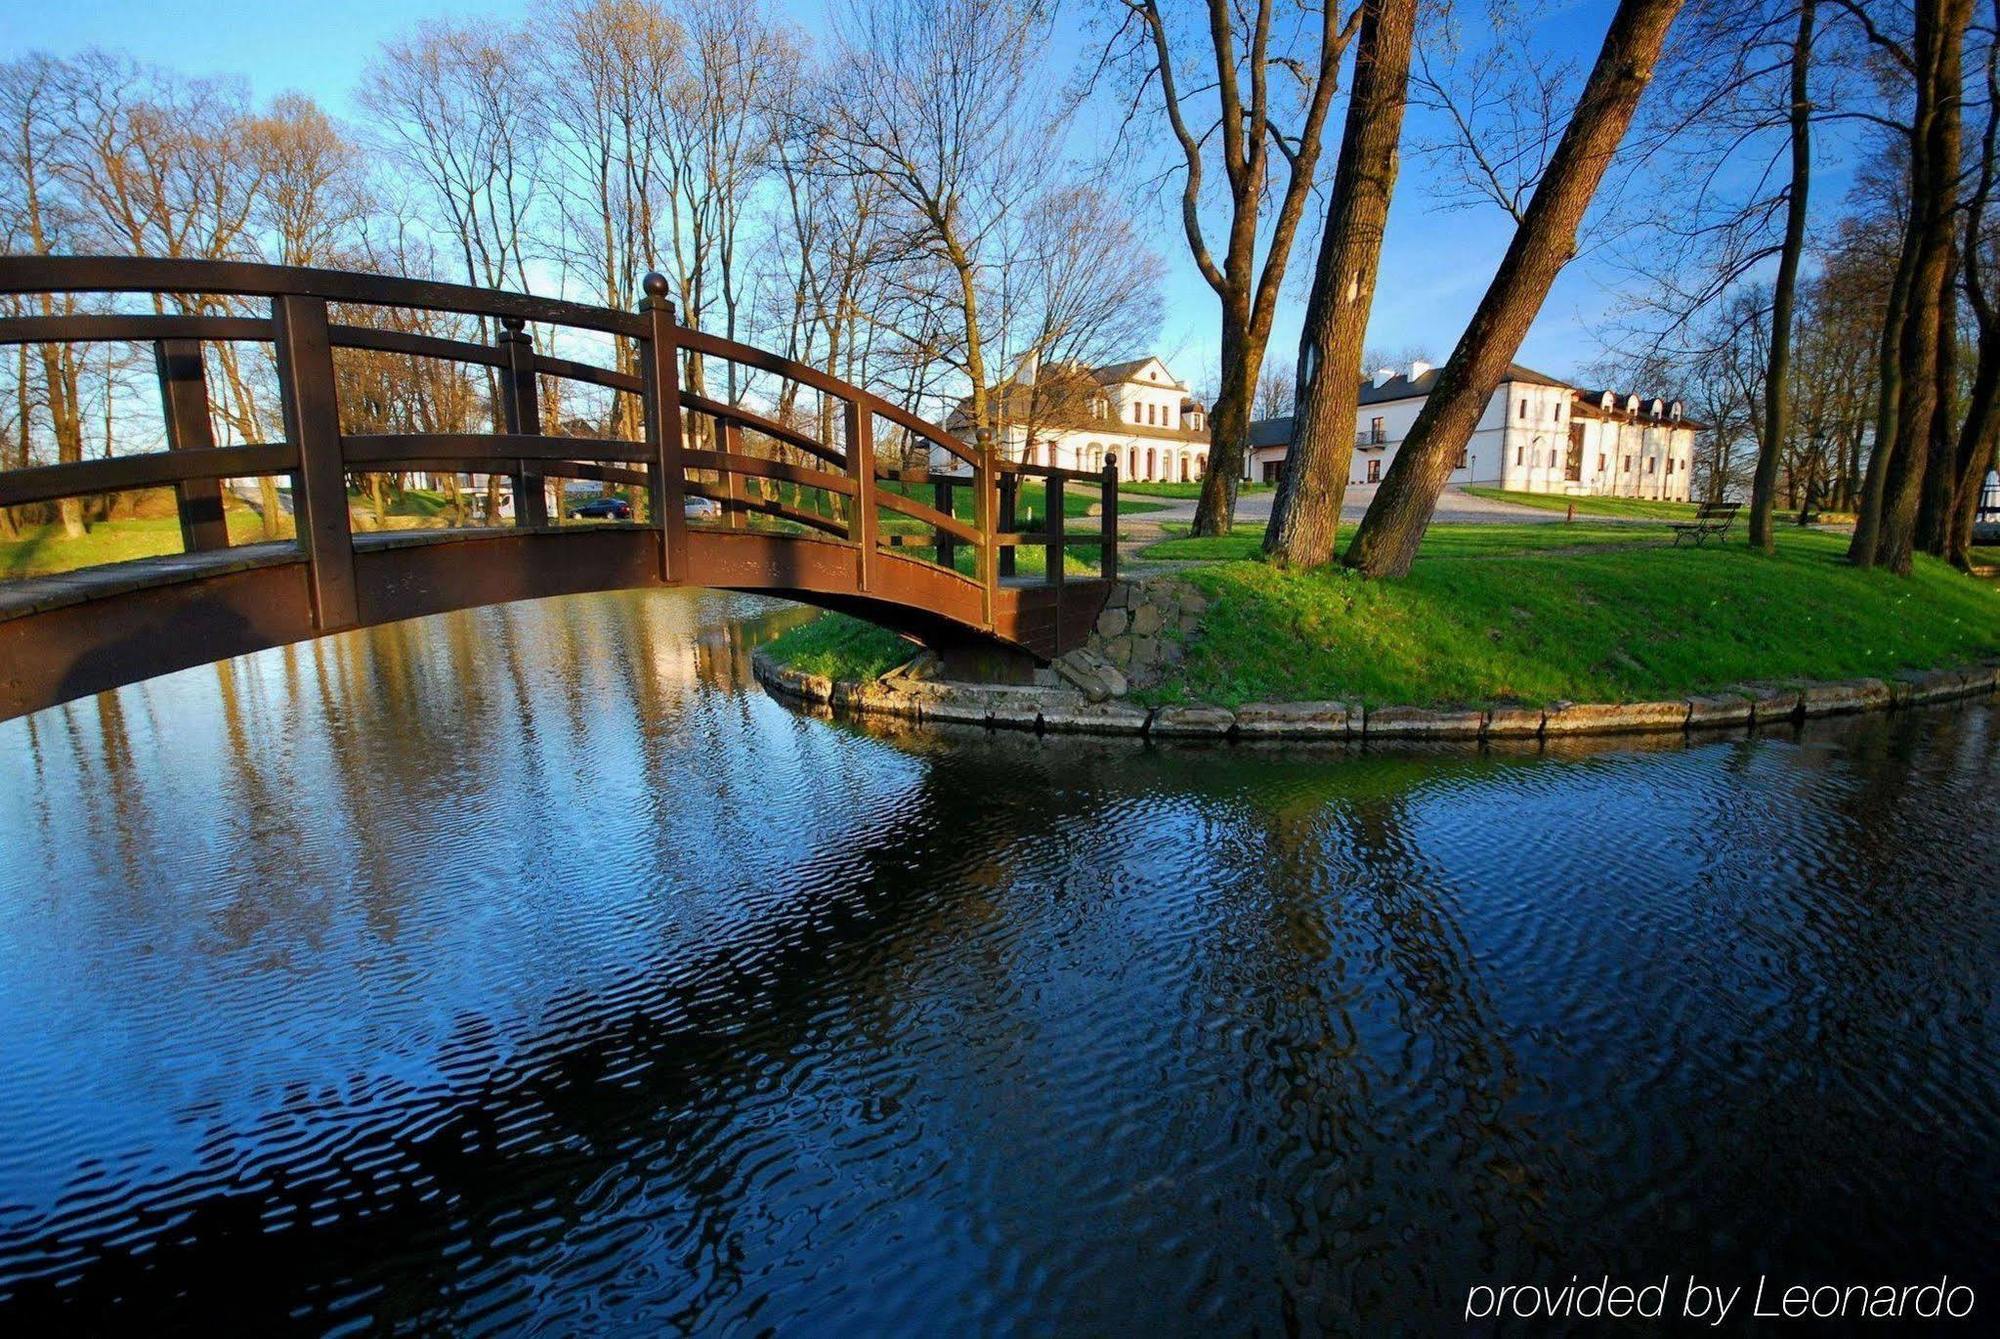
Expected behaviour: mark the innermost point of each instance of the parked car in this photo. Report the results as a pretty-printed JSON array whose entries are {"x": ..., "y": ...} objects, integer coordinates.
[
  {"x": 702, "y": 508},
  {"x": 603, "y": 508}
]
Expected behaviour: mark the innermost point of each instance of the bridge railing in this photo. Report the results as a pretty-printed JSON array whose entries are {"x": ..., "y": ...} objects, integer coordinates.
[{"x": 813, "y": 475}]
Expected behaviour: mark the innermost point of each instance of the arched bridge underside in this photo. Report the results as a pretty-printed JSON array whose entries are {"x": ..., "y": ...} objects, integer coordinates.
[{"x": 800, "y": 485}]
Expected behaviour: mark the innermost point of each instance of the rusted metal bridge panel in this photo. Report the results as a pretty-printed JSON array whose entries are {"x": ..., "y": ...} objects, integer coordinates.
[{"x": 803, "y": 510}]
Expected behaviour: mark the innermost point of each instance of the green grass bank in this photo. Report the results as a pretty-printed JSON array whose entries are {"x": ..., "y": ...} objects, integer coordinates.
[{"x": 1534, "y": 614}]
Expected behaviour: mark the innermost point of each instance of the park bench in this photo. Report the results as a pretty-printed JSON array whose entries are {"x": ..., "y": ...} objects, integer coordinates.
[{"x": 1710, "y": 519}]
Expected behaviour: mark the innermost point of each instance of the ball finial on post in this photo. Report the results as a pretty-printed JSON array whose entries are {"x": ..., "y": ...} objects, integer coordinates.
[{"x": 655, "y": 284}]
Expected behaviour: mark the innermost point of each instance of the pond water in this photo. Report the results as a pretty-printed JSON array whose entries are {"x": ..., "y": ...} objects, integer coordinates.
[{"x": 529, "y": 967}]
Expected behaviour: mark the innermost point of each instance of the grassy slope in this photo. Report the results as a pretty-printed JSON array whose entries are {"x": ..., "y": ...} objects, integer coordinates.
[
  {"x": 840, "y": 648},
  {"x": 1539, "y": 614},
  {"x": 1592, "y": 506},
  {"x": 1481, "y": 619}
]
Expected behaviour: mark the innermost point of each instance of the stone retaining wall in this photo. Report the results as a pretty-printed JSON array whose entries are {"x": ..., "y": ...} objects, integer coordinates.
[{"x": 905, "y": 693}]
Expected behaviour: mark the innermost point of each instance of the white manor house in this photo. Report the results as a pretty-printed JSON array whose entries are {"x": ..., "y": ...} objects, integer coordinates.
[
  {"x": 1538, "y": 435},
  {"x": 1076, "y": 418}
]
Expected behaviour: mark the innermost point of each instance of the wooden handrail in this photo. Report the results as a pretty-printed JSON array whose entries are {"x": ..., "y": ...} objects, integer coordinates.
[
  {"x": 155, "y": 469},
  {"x": 727, "y": 462},
  {"x": 153, "y": 274},
  {"x": 320, "y": 458}
]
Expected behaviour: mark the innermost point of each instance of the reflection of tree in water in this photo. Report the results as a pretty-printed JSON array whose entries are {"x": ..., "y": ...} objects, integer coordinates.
[
  {"x": 1343, "y": 1081},
  {"x": 647, "y": 1074},
  {"x": 1406, "y": 1164},
  {"x": 1856, "y": 903}
]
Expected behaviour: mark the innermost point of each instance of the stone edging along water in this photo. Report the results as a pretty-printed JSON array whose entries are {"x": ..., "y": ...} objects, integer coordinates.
[{"x": 1060, "y": 710}]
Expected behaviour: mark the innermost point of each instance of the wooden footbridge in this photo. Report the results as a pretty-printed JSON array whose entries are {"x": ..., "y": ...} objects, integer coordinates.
[{"x": 844, "y": 513}]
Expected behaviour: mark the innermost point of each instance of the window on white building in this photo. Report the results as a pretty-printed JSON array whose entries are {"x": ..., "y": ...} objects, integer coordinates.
[
  {"x": 1517, "y": 455},
  {"x": 1524, "y": 410}
]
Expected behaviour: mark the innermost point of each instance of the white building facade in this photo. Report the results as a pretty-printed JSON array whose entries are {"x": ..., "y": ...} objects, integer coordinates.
[
  {"x": 1076, "y": 418},
  {"x": 1538, "y": 435}
]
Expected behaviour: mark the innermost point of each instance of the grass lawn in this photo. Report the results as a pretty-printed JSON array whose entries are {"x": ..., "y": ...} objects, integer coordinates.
[
  {"x": 44, "y": 549},
  {"x": 1593, "y": 506},
  {"x": 840, "y": 648},
  {"x": 1488, "y": 616},
  {"x": 1537, "y": 614},
  {"x": 1182, "y": 491}
]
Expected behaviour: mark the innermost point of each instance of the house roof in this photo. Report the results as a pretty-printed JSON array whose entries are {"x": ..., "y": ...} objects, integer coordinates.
[
  {"x": 1112, "y": 374},
  {"x": 1271, "y": 431},
  {"x": 1402, "y": 386},
  {"x": 1588, "y": 403}
]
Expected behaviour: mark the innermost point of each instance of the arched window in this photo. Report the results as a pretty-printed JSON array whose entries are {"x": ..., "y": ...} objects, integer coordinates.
[{"x": 1152, "y": 463}]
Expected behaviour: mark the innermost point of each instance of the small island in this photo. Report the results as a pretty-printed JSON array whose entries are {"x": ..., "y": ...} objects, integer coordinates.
[{"x": 1500, "y": 629}]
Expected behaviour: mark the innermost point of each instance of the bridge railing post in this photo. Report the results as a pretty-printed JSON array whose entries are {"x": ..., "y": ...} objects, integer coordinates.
[
  {"x": 1053, "y": 496},
  {"x": 521, "y": 404},
  {"x": 184, "y": 394},
  {"x": 666, "y": 475},
  {"x": 1010, "y": 490},
  {"x": 1108, "y": 520},
  {"x": 312, "y": 424},
  {"x": 947, "y": 547},
  {"x": 861, "y": 526},
  {"x": 985, "y": 482}
]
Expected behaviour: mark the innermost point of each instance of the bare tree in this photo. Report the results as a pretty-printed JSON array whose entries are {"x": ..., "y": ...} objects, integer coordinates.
[
  {"x": 30, "y": 98},
  {"x": 456, "y": 106},
  {"x": 1245, "y": 86},
  {"x": 935, "y": 99}
]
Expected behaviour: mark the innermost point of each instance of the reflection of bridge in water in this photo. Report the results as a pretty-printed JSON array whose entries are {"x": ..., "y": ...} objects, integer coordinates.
[{"x": 809, "y": 513}]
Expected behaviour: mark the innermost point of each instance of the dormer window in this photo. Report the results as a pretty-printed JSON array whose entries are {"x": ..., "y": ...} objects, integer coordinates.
[{"x": 1604, "y": 400}]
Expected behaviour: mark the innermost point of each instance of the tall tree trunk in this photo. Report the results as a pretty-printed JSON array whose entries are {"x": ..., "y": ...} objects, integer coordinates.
[
  {"x": 1940, "y": 467},
  {"x": 1940, "y": 36},
  {"x": 1305, "y": 517},
  {"x": 1229, "y": 419},
  {"x": 59, "y": 375},
  {"x": 1888, "y": 403},
  {"x": 1386, "y": 543},
  {"x": 1777, "y": 376},
  {"x": 1975, "y": 448}
]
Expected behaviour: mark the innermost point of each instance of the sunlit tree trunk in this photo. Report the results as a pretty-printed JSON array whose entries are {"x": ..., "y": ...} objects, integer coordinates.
[
  {"x": 1305, "y": 518},
  {"x": 1386, "y": 543}
]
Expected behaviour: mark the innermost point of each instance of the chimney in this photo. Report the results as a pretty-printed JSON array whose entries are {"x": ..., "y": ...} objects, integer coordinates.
[
  {"x": 1418, "y": 367},
  {"x": 1383, "y": 375}
]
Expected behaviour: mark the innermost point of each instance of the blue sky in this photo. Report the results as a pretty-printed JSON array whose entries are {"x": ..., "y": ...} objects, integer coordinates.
[{"x": 1436, "y": 263}]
